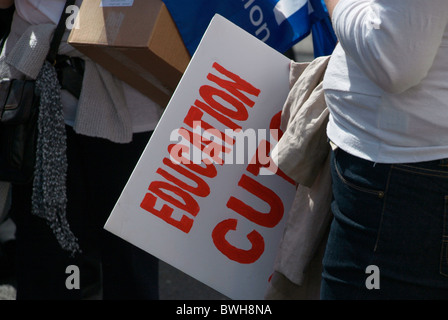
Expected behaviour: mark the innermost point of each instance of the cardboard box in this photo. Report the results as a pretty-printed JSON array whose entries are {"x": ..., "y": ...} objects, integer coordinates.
[{"x": 136, "y": 40}]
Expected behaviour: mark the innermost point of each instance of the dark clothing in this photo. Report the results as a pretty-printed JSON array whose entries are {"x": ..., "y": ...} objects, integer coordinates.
[
  {"x": 370, "y": 201},
  {"x": 98, "y": 170}
]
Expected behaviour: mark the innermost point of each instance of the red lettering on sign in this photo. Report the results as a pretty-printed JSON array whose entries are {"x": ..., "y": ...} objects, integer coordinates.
[
  {"x": 275, "y": 126},
  {"x": 194, "y": 119},
  {"x": 227, "y": 103},
  {"x": 176, "y": 153},
  {"x": 236, "y": 86},
  {"x": 184, "y": 224},
  {"x": 188, "y": 205},
  {"x": 201, "y": 189},
  {"x": 218, "y": 116},
  {"x": 232, "y": 252},
  {"x": 208, "y": 93},
  {"x": 209, "y": 147},
  {"x": 269, "y": 219},
  {"x": 261, "y": 159}
]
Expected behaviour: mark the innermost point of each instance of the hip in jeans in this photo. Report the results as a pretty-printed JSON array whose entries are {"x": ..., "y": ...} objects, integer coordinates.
[{"x": 393, "y": 217}]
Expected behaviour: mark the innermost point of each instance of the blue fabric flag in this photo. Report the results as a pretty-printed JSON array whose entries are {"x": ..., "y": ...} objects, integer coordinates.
[
  {"x": 324, "y": 38},
  {"x": 278, "y": 23}
]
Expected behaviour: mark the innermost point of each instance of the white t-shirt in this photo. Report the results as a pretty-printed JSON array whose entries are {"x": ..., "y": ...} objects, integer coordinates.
[
  {"x": 145, "y": 112},
  {"x": 386, "y": 84}
]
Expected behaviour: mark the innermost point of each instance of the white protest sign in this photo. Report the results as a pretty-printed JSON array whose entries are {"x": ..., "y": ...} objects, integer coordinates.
[{"x": 204, "y": 196}]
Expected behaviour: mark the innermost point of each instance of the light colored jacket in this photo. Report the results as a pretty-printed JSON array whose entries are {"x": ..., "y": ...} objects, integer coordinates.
[{"x": 303, "y": 154}]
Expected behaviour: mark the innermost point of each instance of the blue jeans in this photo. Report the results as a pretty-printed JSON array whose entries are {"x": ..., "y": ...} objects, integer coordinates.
[{"x": 393, "y": 217}]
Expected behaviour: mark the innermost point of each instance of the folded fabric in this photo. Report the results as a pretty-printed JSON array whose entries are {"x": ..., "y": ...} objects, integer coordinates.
[
  {"x": 303, "y": 153},
  {"x": 303, "y": 148}
]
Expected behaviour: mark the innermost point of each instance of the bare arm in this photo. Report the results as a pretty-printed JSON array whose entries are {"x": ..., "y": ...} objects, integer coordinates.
[{"x": 330, "y": 5}]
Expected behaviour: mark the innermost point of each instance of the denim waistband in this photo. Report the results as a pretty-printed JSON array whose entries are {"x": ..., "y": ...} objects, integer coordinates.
[
  {"x": 443, "y": 162},
  {"x": 440, "y": 163}
]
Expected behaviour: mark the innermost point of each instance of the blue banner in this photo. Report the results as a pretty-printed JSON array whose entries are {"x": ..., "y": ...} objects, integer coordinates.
[
  {"x": 324, "y": 38},
  {"x": 278, "y": 23}
]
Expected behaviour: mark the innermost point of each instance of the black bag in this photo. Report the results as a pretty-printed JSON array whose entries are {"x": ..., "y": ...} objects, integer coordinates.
[
  {"x": 5, "y": 23},
  {"x": 19, "y": 105}
]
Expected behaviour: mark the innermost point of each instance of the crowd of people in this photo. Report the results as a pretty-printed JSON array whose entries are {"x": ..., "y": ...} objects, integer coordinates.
[{"x": 119, "y": 129}]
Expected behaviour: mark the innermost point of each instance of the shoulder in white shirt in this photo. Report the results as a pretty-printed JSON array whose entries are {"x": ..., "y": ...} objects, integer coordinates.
[{"x": 386, "y": 83}]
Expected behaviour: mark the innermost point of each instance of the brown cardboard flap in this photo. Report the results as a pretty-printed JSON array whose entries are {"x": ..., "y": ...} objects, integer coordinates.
[{"x": 139, "y": 44}]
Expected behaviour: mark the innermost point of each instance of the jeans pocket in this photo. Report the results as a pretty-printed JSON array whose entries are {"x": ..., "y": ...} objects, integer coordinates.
[
  {"x": 444, "y": 252},
  {"x": 354, "y": 185}
]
